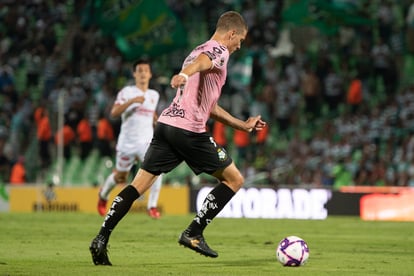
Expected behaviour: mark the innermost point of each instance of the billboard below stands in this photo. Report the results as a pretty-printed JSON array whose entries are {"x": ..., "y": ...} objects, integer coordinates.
[
  {"x": 39, "y": 198},
  {"x": 388, "y": 203},
  {"x": 392, "y": 207},
  {"x": 271, "y": 203},
  {"x": 370, "y": 203}
]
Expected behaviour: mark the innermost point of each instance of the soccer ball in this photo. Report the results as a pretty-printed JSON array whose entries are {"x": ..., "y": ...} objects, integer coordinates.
[{"x": 292, "y": 251}]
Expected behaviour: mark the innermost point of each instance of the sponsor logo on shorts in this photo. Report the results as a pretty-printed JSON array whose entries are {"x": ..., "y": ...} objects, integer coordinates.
[{"x": 222, "y": 154}]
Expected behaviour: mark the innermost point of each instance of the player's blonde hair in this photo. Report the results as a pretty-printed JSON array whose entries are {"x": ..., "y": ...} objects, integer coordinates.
[{"x": 231, "y": 20}]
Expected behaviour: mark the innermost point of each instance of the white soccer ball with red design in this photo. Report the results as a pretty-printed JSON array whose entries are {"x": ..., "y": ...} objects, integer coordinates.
[{"x": 292, "y": 251}]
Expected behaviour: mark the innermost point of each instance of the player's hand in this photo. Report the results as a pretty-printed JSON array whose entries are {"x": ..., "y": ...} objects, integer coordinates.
[
  {"x": 255, "y": 123},
  {"x": 177, "y": 81},
  {"x": 139, "y": 99}
]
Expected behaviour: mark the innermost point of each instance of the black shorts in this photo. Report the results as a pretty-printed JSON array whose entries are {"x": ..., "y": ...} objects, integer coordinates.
[{"x": 170, "y": 146}]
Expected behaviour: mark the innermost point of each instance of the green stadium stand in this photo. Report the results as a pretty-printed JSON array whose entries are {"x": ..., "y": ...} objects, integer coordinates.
[
  {"x": 89, "y": 168},
  {"x": 71, "y": 169},
  {"x": 31, "y": 153},
  {"x": 104, "y": 167}
]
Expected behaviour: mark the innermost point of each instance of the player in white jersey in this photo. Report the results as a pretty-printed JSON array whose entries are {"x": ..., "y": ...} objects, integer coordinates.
[{"x": 136, "y": 104}]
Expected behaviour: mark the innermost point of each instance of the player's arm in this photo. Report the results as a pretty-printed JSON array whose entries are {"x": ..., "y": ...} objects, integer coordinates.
[
  {"x": 201, "y": 63},
  {"x": 252, "y": 123},
  {"x": 118, "y": 109},
  {"x": 155, "y": 119}
]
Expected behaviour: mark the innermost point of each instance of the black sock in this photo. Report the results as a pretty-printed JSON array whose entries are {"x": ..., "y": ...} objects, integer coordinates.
[
  {"x": 120, "y": 206},
  {"x": 212, "y": 205}
]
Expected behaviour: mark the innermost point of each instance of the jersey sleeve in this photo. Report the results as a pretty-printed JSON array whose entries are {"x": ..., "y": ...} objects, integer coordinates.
[
  {"x": 218, "y": 55},
  {"x": 121, "y": 96}
]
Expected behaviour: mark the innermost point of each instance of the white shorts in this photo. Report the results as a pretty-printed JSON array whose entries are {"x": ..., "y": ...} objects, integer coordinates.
[{"x": 126, "y": 159}]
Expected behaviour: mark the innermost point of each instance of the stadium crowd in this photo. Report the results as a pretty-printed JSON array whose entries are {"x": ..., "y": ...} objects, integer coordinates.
[{"x": 339, "y": 107}]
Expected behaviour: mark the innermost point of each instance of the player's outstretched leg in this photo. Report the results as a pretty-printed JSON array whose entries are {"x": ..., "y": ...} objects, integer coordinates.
[
  {"x": 120, "y": 206},
  {"x": 215, "y": 201}
]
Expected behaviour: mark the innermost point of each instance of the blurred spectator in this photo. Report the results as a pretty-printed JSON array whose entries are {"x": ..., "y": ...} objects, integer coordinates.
[
  {"x": 84, "y": 136},
  {"x": 44, "y": 135},
  {"x": 93, "y": 118},
  {"x": 77, "y": 48},
  {"x": 241, "y": 140},
  {"x": 385, "y": 17},
  {"x": 342, "y": 177},
  {"x": 113, "y": 62},
  {"x": 65, "y": 137},
  {"x": 311, "y": 89},
  {"x": 78, "y": 99},
  {"x": 105, "y": 136},
  {"x": 354, "y": 95},
  {"x": 259, "y": 146},
  {"x": 51, "y": 71},
  {"x": 219, "y": 134},
  {"x": 281, "y": 103},
  {"x": 409, "y": 21},
  {"x": 334, "y": 91},
  {"x": 7, "y": 85},
  {"x": 18, "y": 172},
  {"x": 19, "y": 128},
  {"x": 4, "y": 160},
  {"x": 383, "y": 65},
  {"x": 33, "y": 62},
  {"x": 283, "y": 112}
]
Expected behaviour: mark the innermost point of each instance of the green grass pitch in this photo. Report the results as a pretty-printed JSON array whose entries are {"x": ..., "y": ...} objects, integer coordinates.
[{"x": 57, "y": 244}]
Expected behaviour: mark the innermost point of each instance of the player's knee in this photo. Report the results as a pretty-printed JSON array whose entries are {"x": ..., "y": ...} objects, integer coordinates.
[
  {"x": 120, "y": 178},
  {"x": 239, "y": 180},
  {"x": 236, "y": 182},
  {"x": 232, "y": 177}
]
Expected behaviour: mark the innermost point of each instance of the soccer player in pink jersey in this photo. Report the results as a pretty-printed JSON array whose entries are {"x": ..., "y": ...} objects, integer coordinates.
[
  {"x": 136, "y": 105},
  {"x": 180, "y": 135}
]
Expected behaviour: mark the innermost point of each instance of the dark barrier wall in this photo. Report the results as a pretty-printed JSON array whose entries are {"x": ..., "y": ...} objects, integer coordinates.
[{"x": 344, "y": 204}]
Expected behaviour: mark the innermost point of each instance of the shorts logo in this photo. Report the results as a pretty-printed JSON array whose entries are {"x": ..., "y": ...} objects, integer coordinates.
[{"x": 222, "y": 155}]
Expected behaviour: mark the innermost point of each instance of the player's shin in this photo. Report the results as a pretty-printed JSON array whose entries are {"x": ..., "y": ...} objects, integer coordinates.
[
  {"x": 120, "y": 206},
  {"x": 212, "y": 205}
]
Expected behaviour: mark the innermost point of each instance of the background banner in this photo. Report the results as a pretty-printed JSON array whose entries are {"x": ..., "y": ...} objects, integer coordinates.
[
  {"x": 172, "y": 200},
  {"x": 139, "y": 27}
]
